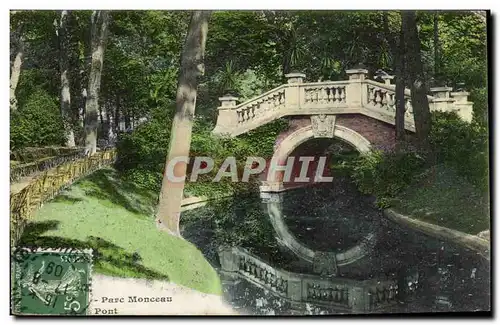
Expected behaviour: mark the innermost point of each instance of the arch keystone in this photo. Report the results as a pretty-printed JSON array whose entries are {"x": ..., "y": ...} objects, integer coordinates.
[{"x": 323, "y": 125}]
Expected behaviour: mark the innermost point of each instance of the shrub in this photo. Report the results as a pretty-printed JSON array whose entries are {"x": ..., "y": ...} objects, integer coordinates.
[
  {"x": 38, "y": 122},
  {"x": 385, "y": 174},
  {"x": 146, "y": 147},
  {"x": 461, "y": 145},
  {"x": 144, "y": 179}
]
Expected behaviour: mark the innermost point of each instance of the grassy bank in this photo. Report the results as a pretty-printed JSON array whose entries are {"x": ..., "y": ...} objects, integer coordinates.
[
  {"x": 115, "y": 218},
  {"x": 446, "y": 199}
]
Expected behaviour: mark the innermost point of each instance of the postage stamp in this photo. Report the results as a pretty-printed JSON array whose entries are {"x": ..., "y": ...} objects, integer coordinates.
[{"x": 51, "y": 281}]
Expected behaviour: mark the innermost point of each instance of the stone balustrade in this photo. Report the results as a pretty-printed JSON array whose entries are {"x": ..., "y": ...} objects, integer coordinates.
[
  {"x": 357, "y": 95},
  {"x": 340, "y": 293}
]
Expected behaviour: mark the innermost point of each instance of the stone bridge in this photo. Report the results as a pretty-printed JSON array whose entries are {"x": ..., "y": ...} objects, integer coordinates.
[
  {"x": 358, "y": 111},
  {"x": 324, "y": 263},
  {"x": 344, "y": 295}
]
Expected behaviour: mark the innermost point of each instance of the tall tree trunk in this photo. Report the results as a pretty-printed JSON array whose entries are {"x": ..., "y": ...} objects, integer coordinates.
[
  {"x": 420, "y": 102},
  {"x": 126, "y": 116},
  {"x": 437, "y": 59},
  {"x": 109, "y": 123},
  {"x": 100, "y": 20},
  {"x": 398, "y": 53},
  {"x": 117, "y": 114},
  {"x": 192, "y": 68},
  {"x": 15, "y": 70},
  {"x": 400, "y": 88},
  {"x": 65, "y": 94}
]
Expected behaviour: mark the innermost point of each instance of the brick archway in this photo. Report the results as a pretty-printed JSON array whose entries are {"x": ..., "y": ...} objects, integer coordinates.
[
  {"x": 292, "y": 141},
  {"x": 274, "y": 181}
]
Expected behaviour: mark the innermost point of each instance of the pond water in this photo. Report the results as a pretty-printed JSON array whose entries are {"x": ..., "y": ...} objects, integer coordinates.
[{"x": 326, "y": 249}]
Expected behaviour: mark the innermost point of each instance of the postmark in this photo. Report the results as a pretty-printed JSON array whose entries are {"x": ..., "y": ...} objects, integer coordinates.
[{"x": 51, "y": 281}]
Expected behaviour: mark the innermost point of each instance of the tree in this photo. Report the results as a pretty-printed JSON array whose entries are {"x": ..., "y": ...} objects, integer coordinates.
[
  {"x": 192, "y": 68},
  {"x": 99, "y": 31},
  {"x": 420, "y": 102},
  {"x": 15, "y": 70},
  {"x": 398, "y": 54},
  {"x": 65, "y": 94},
  {"x": 437, "y": 61}
]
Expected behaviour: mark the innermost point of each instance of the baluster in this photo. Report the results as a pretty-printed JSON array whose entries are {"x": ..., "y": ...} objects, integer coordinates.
[
  {"x": 338, "y": 295},
  {"x": 241, "y": 263},
  {"x": 371, "y": 95},
  {"x": 342, "y": 94},
  {"x": 269, "y": 103},
  {"x": 378, "y": 99},
  {"x": 408, "y": 107},
  {"x": 325, "y": 95},
  {"x": 331, "y": 293},
  {"x": 312, "y": 96},
  {"x": 318, "y": 95},
  {"x": 316, "y": 292},
  {"x": 391, "y": 293},
  {"x": 282, "y": 98},
  {"x": 390, "y": 101},
  {"x": 253, "y": 270},
  {"x": 384, "y": 98},
  {"x": 276, "y": 100},
  {"x": 329, "y": 96},
  {"x": 380, "y": 294},
  {"x": 337, "y": 94}
]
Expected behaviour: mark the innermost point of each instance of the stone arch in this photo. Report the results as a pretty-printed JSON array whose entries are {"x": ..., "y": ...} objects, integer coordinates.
[
  {"x": 346, "y": 257},
  {"x": 292, "y": 141},
  {"x": 303, "y": 134}
]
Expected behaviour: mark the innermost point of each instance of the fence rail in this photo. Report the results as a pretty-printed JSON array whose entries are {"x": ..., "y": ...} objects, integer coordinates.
[
  {"x": 47, "y": 185},
  {"x": 40, "y": 165}
]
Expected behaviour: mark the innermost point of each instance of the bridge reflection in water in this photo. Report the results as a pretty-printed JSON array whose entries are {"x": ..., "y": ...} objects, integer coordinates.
[
  {"x": 345, "y": 295},
  {"x": 332, "y": 253}
]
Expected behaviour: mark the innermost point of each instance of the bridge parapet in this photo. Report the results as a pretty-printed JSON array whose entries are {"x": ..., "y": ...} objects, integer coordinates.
[
  {"x": 340, "y": 293},
  {"x": 357, "y": 95}
]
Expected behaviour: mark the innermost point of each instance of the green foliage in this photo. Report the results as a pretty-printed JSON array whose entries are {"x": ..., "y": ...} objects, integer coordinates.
[
  {"x": 479, "y": 96},
  {"x": 37, "y": 123},
  {"x": 142, "y": 153},
  {"x": 447, "y": 199},
  {"x": 462, "y": 146},
  {"x": 385, "y": 174},
  {"x": 146, "y": 148},
  {"x": 144, "y": 179}
]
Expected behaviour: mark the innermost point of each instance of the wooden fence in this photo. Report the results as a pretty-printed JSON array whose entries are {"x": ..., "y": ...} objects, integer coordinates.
[
  {"x": 42, "y": 164},
  {"x": 47, "y": 185}
]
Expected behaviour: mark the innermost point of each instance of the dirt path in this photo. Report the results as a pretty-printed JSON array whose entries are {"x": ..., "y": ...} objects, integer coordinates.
[{"x": 184, "y": 301}]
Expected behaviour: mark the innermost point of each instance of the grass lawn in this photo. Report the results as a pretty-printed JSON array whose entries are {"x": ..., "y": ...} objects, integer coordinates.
[
  {"x": 115, "y": 218},
  {"x": 446, "y": 199}
]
